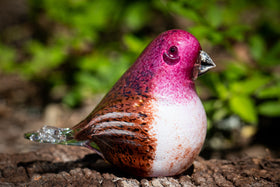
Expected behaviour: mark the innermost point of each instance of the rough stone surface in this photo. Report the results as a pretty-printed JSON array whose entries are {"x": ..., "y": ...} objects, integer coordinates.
[{"x": 73, "y": 166}]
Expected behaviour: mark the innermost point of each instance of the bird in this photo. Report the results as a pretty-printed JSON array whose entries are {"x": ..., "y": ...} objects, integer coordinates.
[{"x": 152, "y": 122}]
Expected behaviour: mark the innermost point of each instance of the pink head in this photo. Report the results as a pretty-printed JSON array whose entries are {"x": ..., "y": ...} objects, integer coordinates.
[
  {"x": 170, "y": 64},
  {"x": 172, "y": 55}
]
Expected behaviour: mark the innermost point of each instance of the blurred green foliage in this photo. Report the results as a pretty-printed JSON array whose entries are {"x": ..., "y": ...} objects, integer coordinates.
[{"x": 80, "y": 47}]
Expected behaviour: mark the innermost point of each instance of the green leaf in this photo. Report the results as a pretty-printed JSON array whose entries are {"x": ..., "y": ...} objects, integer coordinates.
[
  {"x": 258, "y": 47},
  {"x": 220, "y": 114},
  {"x": 272, "y": 56},
  {"x": 96, "y": 62},
  {"x": 201, "y": 31},
  {"x": 270, "y": 92},
  {"x": 208, "y": 105},
  {"x": 73, "y": 98},
  {"x": 187, "y": 12},
  {"x": 244, "y": 106},
  {"x": 214, "y": 15},
  {"x": 7, "y": 58},
  {"x": 134, "y": 44},
  {"x": 237, "y": 32},
  {"x": 235, "y": 70},
  {"x": 134, "y": 17},
  {"x": 216, "y": 37},
  {"x": 220, "y": 87},
  {"x": 44, "y": 58},
  {"x": 270, "y": 108},
  {"x": 250, "y": 85}
]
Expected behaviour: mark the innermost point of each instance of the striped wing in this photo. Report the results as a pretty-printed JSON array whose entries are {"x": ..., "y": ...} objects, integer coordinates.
[
  {"x": 116, "y": 128},
  {"x": 123, "y": 140},
  {"x": 121, "y": 127}
]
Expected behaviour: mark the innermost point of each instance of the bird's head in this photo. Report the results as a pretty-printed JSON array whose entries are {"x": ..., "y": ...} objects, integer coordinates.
[
  {"x": 174, "y": 59},
  {"x": 178, "y": 54}
]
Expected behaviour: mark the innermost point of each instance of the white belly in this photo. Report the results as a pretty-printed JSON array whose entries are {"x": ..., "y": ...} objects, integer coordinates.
[{"x": 180, "y": 130}]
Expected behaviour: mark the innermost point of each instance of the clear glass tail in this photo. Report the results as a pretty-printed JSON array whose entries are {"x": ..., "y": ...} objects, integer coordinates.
[
  {"x": 64, "y": 136},
  {"x": 54, "y": 135}
]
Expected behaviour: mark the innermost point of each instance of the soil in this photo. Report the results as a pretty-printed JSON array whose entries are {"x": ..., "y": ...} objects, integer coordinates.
[{"x": 57, "y": 165}]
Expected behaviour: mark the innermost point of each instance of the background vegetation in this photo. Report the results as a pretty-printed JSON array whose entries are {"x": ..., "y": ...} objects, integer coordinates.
[{"x": 72, "y": 49}]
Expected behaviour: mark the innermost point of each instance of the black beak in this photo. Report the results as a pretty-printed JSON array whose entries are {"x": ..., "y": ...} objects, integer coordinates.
[{"x": 206, "y": 63}]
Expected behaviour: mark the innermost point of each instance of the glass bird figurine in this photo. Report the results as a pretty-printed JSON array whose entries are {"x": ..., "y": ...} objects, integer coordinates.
[{"x": 152, "y": 122}]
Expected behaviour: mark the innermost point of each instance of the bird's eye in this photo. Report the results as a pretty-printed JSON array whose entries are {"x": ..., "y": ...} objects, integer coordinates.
[
  {"x": 173, "y": 51},
  {"x": 171, "y": 57}
]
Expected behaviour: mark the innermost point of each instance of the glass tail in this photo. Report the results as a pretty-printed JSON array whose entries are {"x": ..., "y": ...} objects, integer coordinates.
[{"x": 54, "y": 135}]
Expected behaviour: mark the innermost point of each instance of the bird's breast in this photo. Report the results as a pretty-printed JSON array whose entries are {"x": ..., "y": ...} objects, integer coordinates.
[{"x": 179, "y": 130}]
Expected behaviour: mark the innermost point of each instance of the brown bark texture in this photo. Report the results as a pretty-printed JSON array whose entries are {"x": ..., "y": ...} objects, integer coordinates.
[{"x": 57, "y": 165}]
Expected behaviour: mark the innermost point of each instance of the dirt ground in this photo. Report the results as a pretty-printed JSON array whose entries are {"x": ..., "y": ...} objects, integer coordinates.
[{"x": 57, "y": 165}]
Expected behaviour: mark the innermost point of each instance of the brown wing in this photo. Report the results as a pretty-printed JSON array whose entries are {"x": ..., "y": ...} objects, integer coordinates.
[
  {"x": 120, "y": 124},
  {"x": 120, "y": 127},
  {"x": 128, "y": 101}
]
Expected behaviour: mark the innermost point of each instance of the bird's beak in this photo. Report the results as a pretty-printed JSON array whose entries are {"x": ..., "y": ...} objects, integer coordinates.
[
  {"x": 206, "y": 63},
  {"x": 203, "y": 64}
]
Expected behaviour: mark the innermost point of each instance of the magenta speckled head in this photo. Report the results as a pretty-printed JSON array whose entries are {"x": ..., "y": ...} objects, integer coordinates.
[
  {"x": 169, "y": 60},
  {"x": 172, "y": 54}
]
